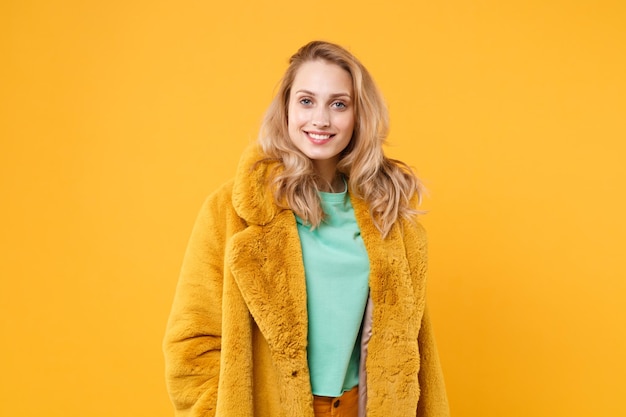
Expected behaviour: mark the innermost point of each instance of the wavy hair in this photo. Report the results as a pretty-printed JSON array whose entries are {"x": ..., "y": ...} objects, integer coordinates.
[{"x": 386, "y": 185}]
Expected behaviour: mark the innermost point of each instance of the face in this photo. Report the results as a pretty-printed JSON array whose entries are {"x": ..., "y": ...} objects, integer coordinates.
[{"x": 321, "y": 113}]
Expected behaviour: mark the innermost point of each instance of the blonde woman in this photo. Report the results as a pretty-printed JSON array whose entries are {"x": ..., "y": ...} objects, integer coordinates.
[{"x": 302, "y": 291}]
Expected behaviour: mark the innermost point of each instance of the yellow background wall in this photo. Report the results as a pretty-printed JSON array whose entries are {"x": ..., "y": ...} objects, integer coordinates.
[{"x": 117, "y": 118}]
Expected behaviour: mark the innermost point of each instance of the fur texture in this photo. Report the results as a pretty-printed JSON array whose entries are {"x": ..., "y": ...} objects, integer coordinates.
[{"x": 236, "y": 339}]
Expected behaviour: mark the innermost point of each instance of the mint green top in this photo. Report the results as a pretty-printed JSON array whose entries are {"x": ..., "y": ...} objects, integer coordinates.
[{"x": 337, "y": 271}]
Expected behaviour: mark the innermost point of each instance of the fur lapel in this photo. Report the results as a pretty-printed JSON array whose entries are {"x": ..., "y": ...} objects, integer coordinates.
[
  {"x": 391, "y": 283},
  {"x": 397, "y": 295},
  {"x": 266, "y": 261}
]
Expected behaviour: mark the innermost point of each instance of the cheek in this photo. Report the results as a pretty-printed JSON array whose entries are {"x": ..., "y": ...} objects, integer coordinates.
[
  {"x": 293, "y": 118},
  {"x": 292, "y": 127},
  {"x": 297, "y": 117},
  {"x": 347, "y": 123},
  {"x": 293, "y": 123}
]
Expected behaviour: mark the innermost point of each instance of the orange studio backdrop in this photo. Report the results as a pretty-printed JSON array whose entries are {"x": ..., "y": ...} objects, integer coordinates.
[{"x": 117, "y": 118}]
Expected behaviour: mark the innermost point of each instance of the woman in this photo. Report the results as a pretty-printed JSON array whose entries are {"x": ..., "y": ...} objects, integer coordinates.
[{"x": 302, "y": 292}]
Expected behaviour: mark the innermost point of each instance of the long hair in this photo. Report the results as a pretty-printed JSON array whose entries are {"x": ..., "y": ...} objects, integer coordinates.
[{"x": 386, "y": 185}]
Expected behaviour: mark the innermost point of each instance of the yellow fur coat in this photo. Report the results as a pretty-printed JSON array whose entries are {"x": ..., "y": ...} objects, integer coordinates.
[{"x": 235, "y": 343}]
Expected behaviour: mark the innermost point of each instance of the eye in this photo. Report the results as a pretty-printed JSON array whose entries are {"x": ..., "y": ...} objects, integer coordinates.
[
  {"x": 306, "y": 101},
  {"x": 339, "y": 105}
]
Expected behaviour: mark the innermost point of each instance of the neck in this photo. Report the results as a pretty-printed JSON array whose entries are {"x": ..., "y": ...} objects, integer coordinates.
[
  {"x": 332, "y": 180},
  {"x": 336, "y": 186}
]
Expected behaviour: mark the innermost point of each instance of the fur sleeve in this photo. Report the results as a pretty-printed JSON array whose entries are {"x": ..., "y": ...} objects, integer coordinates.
[
  {"x": 433, "y": 401},
  {"x": 193, "y": 336}
]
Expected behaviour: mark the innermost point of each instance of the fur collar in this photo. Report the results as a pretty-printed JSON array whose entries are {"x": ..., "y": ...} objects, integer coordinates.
[{"x": 252, "y": 199}]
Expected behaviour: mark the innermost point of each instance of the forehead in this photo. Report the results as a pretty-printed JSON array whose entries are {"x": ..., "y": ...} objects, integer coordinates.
[{"x": 321, "y": 76}]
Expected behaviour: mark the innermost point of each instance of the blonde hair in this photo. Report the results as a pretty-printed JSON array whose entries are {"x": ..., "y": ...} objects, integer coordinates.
[{"x": 386, "y": 185}]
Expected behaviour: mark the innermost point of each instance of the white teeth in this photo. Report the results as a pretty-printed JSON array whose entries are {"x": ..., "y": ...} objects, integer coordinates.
[{"x": 319, "y": 137}]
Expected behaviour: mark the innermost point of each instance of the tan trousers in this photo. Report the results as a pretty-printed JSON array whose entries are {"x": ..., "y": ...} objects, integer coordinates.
[{"x": 347, "y": 405}]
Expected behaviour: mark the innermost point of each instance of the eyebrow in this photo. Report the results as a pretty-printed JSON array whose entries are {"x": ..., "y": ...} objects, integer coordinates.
[{"x": 336, "y": 95}]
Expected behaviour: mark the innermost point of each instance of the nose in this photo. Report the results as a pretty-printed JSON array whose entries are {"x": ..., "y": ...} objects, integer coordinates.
[{"x": 321, "y": 117}]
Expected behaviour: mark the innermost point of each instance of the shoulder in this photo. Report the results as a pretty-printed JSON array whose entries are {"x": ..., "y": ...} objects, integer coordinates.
[
  {"x": 222, "y": 196},
  {"x": 218, "y": 203},
  {"x": 414, "y": 224},
  {"x": 414, "y": 233}
]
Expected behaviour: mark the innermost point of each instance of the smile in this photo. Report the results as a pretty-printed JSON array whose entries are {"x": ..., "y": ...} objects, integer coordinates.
[{"x": 319, "y": 137}]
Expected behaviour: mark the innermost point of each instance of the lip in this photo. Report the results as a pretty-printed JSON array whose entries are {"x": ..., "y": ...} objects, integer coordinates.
[{"x": 319, "y": 137}]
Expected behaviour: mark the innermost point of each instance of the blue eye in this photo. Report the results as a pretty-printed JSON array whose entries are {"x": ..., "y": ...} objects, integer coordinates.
[
  {"x": 339, "y": 105},
  {"x": 305, "y": 101}
]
